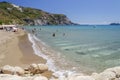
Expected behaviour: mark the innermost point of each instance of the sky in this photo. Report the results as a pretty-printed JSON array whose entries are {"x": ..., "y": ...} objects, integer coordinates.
[{"x": 78, "y": 11}]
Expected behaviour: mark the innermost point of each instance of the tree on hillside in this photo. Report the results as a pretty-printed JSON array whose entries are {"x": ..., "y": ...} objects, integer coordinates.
[{"x": 0, "y": 22}]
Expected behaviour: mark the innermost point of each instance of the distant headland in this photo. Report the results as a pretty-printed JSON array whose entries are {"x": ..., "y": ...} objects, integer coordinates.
[{"x": 114, "y": 23}]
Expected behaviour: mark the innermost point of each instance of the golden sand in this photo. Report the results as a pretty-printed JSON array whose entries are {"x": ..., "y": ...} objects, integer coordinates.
[{"x": 15, "y": 49}]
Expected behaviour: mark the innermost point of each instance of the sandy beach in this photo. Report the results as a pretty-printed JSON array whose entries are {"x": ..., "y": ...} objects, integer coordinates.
[{"x": 15, "y": 49}]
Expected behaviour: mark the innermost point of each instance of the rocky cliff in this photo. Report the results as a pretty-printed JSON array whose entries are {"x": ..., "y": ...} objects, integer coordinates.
[{"x": 13, "y": 14}]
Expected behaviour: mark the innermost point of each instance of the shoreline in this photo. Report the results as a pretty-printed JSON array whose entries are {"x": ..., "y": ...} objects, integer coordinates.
[
  {"x": 29, "y": 56},
  {"x": 40, "y": 50},
  {"x": 16, "y": 49},
  {"x": 66, "y": 75}
]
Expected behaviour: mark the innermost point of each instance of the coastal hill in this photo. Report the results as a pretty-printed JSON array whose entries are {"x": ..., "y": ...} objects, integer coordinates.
[{"x": 13, "y": 14}]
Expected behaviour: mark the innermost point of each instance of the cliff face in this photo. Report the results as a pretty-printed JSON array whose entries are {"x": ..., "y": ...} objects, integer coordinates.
[
  {"x": 50, "y": 19},
  {"x": 13, "y": 14}
]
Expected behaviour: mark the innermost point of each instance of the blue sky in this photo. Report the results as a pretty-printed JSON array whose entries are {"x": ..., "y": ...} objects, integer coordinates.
[{"x": 79, "y": 11}]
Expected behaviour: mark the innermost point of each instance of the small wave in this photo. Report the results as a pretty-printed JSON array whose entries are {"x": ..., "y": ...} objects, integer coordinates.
[
  {"x": 65, "y": 44},
  {"x": 78, "y": 46},
  {"x": 39, "y": 53},
  {"x": 60, "y": 41},
  {"x": 108, "y": 52},
  {"x": 72, "y": 47},
  {"x": 50, "y": 62},
  {"x": 39, "y": 40},
  {"x": 92, "y": 49}
]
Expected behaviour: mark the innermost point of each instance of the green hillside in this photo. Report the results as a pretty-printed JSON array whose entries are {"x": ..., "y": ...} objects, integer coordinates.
[{"x": 12, "y": 14}]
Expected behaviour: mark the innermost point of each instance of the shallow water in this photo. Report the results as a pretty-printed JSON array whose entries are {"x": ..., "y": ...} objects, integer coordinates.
[{"x": 82, "y": 48}]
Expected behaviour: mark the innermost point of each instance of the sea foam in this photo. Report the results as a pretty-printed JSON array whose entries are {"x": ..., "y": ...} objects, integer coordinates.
[
  {"x": 57, "y": 72},
  {"x": 39, "y": 53}
]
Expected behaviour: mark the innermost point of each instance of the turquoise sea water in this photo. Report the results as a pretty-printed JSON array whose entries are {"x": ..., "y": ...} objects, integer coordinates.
[{"x": 85, "y": 48}]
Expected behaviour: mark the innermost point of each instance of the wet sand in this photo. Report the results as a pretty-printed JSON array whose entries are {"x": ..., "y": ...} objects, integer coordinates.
[
  {"x": 28, "y": 54},
  {"x": 16, "y": 50}
]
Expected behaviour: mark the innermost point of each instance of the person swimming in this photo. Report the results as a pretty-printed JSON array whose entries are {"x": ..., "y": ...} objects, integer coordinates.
[{"x": 53, "y": 34}]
